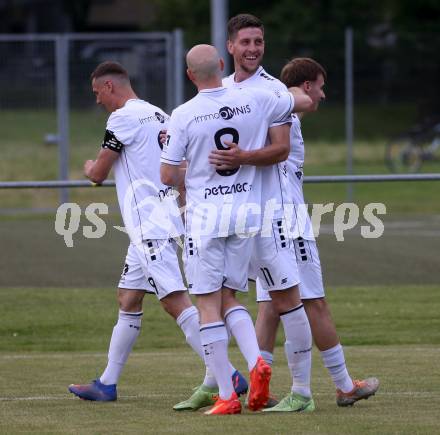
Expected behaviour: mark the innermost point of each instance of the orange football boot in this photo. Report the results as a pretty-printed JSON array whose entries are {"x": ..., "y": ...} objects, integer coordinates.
[
  {"x": 258, "y": 395},
  {"x": 225, "y": 407}
]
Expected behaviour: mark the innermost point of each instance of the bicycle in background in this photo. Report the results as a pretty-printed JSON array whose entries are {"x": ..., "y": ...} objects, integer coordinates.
[{"x": 408, "y": 151}]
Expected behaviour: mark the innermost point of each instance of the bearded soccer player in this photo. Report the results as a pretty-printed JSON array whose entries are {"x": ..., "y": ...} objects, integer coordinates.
[{"x": 246, "y": 45}]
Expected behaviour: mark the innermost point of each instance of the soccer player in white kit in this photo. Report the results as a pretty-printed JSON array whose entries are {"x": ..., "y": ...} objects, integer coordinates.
[
  {"x": 246, "y": 44},
  {"x": 131, "y": 147},
  {"x": 223, "y": 212},
  {"x": 273, "y": 263},
  {"x": 310, "y": 76}
]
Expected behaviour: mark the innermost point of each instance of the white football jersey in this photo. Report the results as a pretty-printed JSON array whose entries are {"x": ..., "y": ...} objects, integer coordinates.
[
  {"x": 295, "y": 164},
  {"x": 220, "y": 203},
  {"x": 275, "y": 185},
  {"x": 289, "y": 172},
  {"x": 149, "y": 208}
]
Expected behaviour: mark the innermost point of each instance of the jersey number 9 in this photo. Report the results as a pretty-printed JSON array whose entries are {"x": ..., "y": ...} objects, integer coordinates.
[{"x": 218, "y": 143}]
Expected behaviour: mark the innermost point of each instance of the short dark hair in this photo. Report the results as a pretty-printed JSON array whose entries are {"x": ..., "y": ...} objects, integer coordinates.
[
  {"x": 300, "y": 70},
  {"x": 243, "y": 21},
  {"x": 109, "y": 68}
]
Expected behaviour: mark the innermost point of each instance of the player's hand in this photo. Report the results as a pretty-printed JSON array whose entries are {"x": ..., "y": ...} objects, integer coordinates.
[
  {"x": 227, "y": 159},
  {"x": 88, "y": 165},
  {"x": 163, "y": 136}
]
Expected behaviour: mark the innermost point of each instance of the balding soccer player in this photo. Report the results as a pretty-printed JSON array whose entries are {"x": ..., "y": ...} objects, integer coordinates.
[{"x": 223, "y": 210}]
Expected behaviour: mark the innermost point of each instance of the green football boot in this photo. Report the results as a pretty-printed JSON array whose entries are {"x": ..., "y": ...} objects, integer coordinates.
[
  {"x": 202, "y": 396},
  {"x": 293, "y": 402}
]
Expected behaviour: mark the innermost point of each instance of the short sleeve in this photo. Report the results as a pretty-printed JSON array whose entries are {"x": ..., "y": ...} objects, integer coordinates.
[
  {"x": 120, "y": 132},
  {"x": 279, "y": 106},
  {"x": 174, "y": 148}
]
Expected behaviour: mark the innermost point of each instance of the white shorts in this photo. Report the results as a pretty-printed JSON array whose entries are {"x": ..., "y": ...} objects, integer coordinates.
[
  {"x": 309, "y": 266},
  {"x": 153, "y": 267},
  {"x": 213, "y": 263},
  {"x": 273, "y": 260}
]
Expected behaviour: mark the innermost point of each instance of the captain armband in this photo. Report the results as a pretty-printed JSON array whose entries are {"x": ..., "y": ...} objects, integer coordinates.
[{"x": 111, "y": 142}]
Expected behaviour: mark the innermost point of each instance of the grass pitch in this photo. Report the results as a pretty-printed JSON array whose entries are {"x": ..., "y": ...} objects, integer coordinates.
[
  {"x": 53, "y": 337},
  {"x": 55, "y": 324}
]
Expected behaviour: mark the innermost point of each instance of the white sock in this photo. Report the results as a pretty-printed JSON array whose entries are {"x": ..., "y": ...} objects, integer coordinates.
[
  {"x": 125, "y": 333},
  {"x": 189, "y": 323},
  {"x": 242, "y": 328},
  {"x": 335, "y": 362},
  {"x": 267, "y": 356},
  {"x": 298, "y": 347},
  {"x": 214, "y": 339},
  {"x": 232, "y": 369}
]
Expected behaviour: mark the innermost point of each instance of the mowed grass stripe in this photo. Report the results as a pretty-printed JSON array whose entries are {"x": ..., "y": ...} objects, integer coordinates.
[{"x": 81, "y": 320}]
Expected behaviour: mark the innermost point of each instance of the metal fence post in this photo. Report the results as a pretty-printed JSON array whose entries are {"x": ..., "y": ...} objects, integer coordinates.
[
  {"x": 349, "y": 107},
  {"x": 62, "y": 93},
  {"x": 178, "y": 67},
  {"x": 170, "y": 88},
  {"x": 219, "y": 19}
]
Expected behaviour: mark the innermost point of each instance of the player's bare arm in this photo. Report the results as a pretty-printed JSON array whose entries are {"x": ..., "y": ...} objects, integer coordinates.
[
  {"x": 303, "y": 103},
  {"x": 181, "y": 199},
  {"x": 98, "y": 170},
  {"x": 172, "y": 175},
  {"x": 275, "y": 152}
]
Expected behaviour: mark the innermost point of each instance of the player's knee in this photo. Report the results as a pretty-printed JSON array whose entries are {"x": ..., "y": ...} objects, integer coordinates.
[
  {"x": 317, "y": 307},
  {"x": 169, "y": 308},
  {"x": 283, "y": 300},
  {"x": 228, "y": 299},
  {"x": 130, "y": 306},
  {"x": 174, "y": 303},
  {"x": 130, "y": 300}
]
